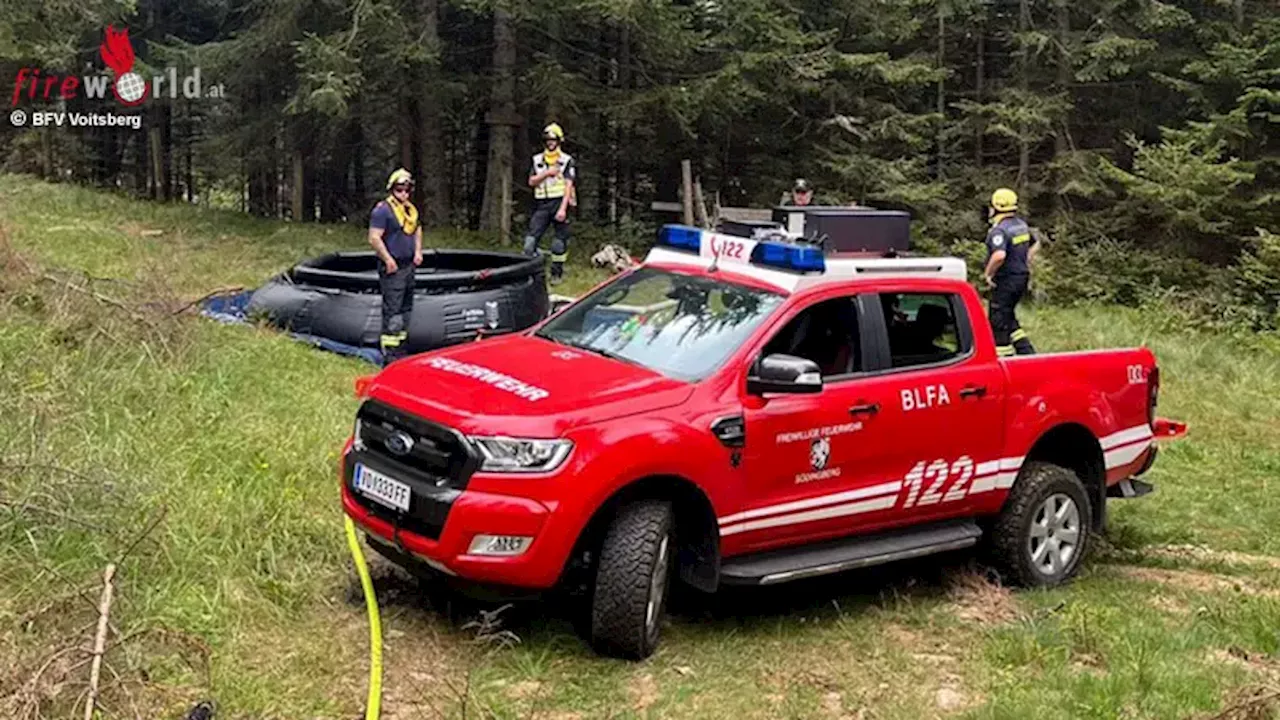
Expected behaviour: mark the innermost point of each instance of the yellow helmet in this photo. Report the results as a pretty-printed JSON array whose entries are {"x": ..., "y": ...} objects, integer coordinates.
[
  {"x": 399, "y": 176},
  {"x": 1004, "y": 200},
  {"x": 553, "y": 130}
]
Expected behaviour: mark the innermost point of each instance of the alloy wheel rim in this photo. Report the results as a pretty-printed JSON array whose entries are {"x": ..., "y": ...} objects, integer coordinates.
[
  {"x": 657, "y": 586},
  {"x": 1054, "y": 538}
]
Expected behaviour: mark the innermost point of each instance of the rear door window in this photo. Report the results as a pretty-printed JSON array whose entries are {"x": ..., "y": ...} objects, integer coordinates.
[{"x": 923, "y": 329}]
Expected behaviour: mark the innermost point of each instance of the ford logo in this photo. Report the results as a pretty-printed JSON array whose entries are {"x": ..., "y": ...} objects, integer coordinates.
[{"x": 399, "y": 443}]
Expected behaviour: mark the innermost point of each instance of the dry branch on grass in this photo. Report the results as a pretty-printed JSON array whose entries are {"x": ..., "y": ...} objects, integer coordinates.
[
  {"x": 206, "y": 296},
  {"x": 100, "y": 297},
  {"x": 1260, "y": 704},
  {"x": 149, "y": 306},
  {"x": 59, "y": 665},
  {"x": 100, "y": 639}
]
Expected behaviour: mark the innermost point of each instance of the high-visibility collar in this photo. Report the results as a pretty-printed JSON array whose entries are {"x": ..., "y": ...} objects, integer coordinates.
[
  {"x": 551, "y": 157},
  {"x": 999, "y": 217},
  {"x": 406, "y": 214}
]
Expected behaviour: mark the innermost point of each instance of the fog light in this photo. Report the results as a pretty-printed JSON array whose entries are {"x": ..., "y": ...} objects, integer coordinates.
[{"x": 499, "y": 545}]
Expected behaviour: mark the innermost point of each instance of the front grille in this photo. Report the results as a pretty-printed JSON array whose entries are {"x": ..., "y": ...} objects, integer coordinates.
[
  {"x": 441, "y": 455},
  {"x": 436, "y": 467}
]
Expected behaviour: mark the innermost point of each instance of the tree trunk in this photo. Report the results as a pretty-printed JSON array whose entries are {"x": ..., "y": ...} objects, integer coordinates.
[
  {"x": 262, "y": 182},
  {"x": 1024, "y": 145},
  {"x": 166, "y": 150},
  {"x": 942, "y": 93},
  {"x": 357, "y": 170},
  {"x": 298, "y": 186},
  {"x": 140, "y": 163},
  {"x": 190, "y": 156},
  {"x": 626, "y": 179},
  {"x": 493, "y": 213},
  {"x": 406, "y": 134},
  {"x": 159, "y": 182},
  {"x": 1063, "y": 13},
  {"x": 46, "y": 155},
  {"x": 980, "y": 83},
  {"x": 433, "y": 182}
]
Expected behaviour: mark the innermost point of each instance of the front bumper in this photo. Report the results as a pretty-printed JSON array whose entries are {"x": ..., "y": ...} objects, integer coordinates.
[{"x": 443, "y": 523}]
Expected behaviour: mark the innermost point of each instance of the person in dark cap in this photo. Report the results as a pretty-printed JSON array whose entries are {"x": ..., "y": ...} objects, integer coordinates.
[{"x": 801, "y": 193}]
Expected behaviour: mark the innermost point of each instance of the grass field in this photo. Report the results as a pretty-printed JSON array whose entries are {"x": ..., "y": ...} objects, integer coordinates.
[{"x": 201, "y": 459}]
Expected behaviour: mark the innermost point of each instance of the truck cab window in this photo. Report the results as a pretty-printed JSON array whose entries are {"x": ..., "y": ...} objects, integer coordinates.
[
  {"x": 826, "y": 333},
  {"x": 922, "y": 328}
]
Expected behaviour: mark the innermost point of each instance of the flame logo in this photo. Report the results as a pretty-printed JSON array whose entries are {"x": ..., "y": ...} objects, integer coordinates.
[{"x": 117, "y": 53}]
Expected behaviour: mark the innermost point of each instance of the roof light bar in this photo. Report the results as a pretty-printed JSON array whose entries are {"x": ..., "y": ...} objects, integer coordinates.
[{"x": 730, "y": 249}]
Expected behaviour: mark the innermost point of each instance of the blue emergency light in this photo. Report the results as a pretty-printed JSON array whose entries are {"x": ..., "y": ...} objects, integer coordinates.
[
  {"x": 680, "y": 236},
  {"x": 803, "y": 258},
  {"x": 795, "y": 257}
]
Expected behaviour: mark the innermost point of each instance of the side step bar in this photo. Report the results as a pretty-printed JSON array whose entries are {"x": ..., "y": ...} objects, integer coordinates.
[
  {"x": 777, "y": 566},
  {"x": 1130, "y": 488}
]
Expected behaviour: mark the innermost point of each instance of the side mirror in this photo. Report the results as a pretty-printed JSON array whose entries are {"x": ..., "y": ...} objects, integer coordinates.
[{"x": 779, "y": 373}]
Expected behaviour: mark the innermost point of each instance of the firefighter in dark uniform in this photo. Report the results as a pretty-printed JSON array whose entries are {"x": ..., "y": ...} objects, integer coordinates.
[
  {"x": 1010, "y": 252},
  {"x": 551, "y": 176},
  {"x": 396, "y": 238}
]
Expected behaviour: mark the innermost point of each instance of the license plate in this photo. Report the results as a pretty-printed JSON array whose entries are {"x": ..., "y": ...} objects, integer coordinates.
[{"x": 382, "y": 489}]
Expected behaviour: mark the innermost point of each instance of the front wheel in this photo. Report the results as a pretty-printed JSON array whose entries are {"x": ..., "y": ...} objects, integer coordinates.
[
  {"x": 1043, "y": 533},
  {"x": 632, "y": 578}
]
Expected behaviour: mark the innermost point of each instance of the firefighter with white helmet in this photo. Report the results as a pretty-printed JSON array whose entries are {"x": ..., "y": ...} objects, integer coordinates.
[
  {"x": 552, "y": 177},
  {"x": 1010, "y": 251}
]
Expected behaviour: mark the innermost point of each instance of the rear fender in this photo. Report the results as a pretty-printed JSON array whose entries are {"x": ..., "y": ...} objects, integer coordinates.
[
  {"x": 1062, "y": 426},
  {"x": 1030, "y": 417}
]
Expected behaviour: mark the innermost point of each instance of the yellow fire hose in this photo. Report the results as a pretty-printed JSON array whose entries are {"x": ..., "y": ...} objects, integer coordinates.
[{"x": 374, "y": 704}]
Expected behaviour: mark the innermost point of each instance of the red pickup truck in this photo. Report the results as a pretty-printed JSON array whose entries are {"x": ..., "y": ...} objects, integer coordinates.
[{"x": 740, "y": 412}]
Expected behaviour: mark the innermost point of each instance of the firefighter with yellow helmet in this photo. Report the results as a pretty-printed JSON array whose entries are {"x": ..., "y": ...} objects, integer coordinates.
[
  {"x": 396, "y": 238},
  {"x": 1010, "y": 252},
  {"x": 552, "y": 177}
]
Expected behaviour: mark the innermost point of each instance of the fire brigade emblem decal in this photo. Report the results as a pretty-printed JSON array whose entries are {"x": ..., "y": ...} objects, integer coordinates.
[{"x": 819, "y": 453}]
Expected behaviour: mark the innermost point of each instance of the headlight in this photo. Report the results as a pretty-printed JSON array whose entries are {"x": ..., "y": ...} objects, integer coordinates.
[
  {"x": 517, "y": 455},
  {"x": 357, "y": 442}
]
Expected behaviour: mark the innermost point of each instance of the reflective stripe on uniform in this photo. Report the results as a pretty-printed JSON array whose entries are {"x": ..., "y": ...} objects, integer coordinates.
[
  {"x": 559, "y": 258},
  {"x": 390, "y": 340},
  {"x": 552, "y": 187},
  {"x": 1004, "y": 350},
  {"x": 1019, "y": 239},
  {"x": 1018, "y": 334}
]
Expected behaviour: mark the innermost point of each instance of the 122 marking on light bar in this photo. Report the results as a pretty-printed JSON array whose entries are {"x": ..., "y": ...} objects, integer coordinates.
[{"x": 788, "y": 266}]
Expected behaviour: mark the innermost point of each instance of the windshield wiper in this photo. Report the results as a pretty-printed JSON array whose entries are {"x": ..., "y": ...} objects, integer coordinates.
[{"x": 606, "y": 353}]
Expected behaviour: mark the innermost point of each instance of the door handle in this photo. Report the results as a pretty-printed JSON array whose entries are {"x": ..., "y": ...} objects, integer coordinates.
[
  {"x": 865, "y": 408},
  {"x": 973, "y": 391}
]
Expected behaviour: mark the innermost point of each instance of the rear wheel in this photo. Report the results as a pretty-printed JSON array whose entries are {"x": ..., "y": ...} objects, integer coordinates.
[
  {"x": 1044, "y": 531},
  {"x": 632, "y": 579}
]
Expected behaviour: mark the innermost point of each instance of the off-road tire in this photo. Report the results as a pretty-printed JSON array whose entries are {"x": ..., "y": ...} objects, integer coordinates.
[
  {"x": 639, "y": 543},
  {"x": 1011, "y": 533}
]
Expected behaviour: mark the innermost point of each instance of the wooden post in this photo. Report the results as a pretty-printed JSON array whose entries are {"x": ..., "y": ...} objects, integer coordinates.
[
  {"x": 700, "y": 206},
  {"x": 686, "y": 197}
]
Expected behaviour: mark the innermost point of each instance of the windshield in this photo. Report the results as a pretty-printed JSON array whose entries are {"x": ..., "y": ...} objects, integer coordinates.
[{"x": 679, "y": 325}]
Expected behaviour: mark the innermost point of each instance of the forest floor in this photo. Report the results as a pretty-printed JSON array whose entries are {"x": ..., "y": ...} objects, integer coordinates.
[{"x": 201, "y": 460}]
